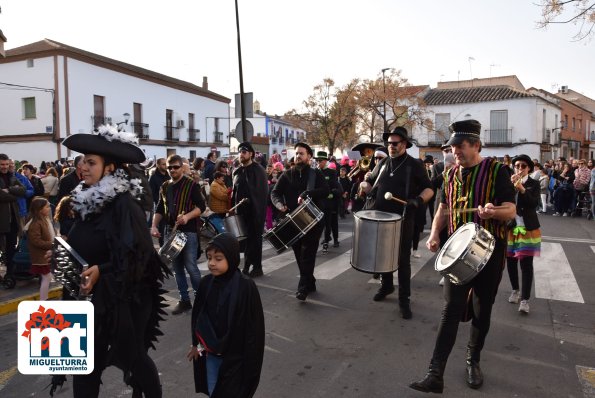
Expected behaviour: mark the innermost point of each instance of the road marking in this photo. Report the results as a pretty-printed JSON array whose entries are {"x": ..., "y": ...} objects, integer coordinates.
[
  {"x": 416, "y": 263},
  {"x": 333, "y": 267},
  {"x": 6, "y": 375},
  {"x": 554, "y": 279},
  {"x": 561, "y": 239},
  {"x": 587, "y": 378},
  {"x": 593, "y": 248}
]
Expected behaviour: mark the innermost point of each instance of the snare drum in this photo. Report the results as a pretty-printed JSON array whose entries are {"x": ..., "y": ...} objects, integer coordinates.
[
  {"x": 294, "y": 226},
  {"x": 172, "y": 247},
  {"x": 236, "y": 226},
  {"x": 376, "y": 241},
  {"x": 465, "y": 253}
]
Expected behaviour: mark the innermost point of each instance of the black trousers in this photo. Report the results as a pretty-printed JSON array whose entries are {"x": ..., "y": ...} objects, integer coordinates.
[
  {"x": 526, "y": 271},
  {"x": 305, "y": 254},
  {"x": 485, "y": 288},
  {"x": 145, "y": 376},
  {"x": 404, "y": 270},
  {"x": 331, "y": 224},
  {"x": 253, "y": 252},
  {"x": 10, "y": 242}
]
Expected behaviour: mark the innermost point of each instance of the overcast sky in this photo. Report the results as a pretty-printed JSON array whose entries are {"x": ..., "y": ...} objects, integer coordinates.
[{"x": 290, "y": 46}]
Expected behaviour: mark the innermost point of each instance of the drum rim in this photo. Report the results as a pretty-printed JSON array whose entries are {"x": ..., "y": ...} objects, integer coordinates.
[
  {"x": 463, "y": 253},
  {"x": 361, "y": 217}
]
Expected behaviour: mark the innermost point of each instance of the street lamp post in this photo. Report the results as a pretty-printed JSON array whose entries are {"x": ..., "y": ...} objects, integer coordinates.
[
  {"x": 242, "y": 106},
  {"x": 384, "y": 100}
]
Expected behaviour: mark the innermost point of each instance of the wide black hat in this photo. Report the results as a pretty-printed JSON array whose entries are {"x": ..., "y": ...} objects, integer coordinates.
[
  {"x": 363, "y": 145},
  {"x": 307, "y": 147},
  {"x": 524, "y": 158},
  {"x": 463, "y": 130},
  {"x": 321, "y": 155},
  {"x": 401, "y": 132},
  {"x": 429, "y": 159},
  {"x": 107, "y": 141}
]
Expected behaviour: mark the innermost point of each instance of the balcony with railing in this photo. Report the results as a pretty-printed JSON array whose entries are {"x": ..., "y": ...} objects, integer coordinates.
[
  {"x": 172, "y": 133},
  {"x": 193, "y": 135},
  {"x": 218, "y": 137},
  {"x": 281, "y": 140},
  {"x": 437, "y": 138},
  {"x": 546, "y": 134},
  {"x": 99, "y": 120},
  {"x": 497, "y": 137},
  {"x": 141, "y": 130},
  {"x": 273, "y": 140}
]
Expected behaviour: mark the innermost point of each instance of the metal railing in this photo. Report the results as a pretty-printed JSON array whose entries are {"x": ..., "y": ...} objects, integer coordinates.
[
  {"x": 218, "y": 137},
  {"x": 273, "y": 140},
  {"x": 141, "y": 130},
  {"x": 436, "y": 139},
  {"x": 172, "y": 133},
  {"x": 99, "y": 120},
  {"x": 193, "y": 135},
  {"x": 497, "y": 137}
]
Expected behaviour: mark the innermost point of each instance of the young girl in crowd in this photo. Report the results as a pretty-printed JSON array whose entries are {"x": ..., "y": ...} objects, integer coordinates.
[
  {"x": 227, "y": 326},
  {"x": 40, "y": 234}
]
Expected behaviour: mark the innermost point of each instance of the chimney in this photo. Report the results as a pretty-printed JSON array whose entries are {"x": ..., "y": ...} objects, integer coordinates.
[{"x": 205, "y": 83}]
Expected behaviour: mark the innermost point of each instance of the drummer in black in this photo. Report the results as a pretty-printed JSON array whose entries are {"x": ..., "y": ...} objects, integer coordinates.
[
  {"x": 250, "y": 181},
  {"x": 406, "y": 178},
  {"x": 481, "y": 183},
  {"x": 292, "y": 188}
]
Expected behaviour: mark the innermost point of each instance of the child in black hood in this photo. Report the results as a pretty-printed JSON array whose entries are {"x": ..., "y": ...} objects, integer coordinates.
[{"x": 227, "y": 326}]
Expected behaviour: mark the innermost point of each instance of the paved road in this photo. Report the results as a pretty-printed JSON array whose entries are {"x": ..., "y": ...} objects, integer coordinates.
[{"x": 340, "y": 343}]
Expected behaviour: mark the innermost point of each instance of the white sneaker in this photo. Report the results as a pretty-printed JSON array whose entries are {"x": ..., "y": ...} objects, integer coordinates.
[
  {"x": 524, "y": 307},
  {"x": 441, "y": 283},
  {"x": 515, "y": 296},
  {"x": 416, "y": 254},
  {"x": 565, "y": 214}
]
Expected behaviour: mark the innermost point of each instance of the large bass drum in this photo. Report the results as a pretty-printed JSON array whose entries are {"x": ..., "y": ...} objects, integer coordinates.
[
  {"x": 465, "y": 253},
  {"x": 294, "y": 226},
  {"x": 376, "y": 241}
]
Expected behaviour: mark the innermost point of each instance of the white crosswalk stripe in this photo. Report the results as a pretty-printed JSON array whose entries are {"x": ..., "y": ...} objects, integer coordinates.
[{"x": 554, "y": 278}]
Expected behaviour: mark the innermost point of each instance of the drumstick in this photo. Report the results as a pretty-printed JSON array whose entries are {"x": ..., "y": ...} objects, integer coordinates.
[
  {"x": 173, "y": 231},
  {"x": 470, "y": 210},
  {"x": 389, "y": 196},
  {"x": 235, "y": 207}
]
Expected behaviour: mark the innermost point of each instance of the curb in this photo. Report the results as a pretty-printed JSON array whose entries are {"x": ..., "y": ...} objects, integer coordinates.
[{"x": 10, "y": 306}]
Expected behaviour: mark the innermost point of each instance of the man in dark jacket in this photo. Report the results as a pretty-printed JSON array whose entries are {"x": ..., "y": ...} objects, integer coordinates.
[
  {"x": 10, "y": 227},
  {"x": 155, "y": 182},
  {"x": 293, "y": 187},
  {"x": 71, "y": 180},
  {"x": 331, "y": 202},
  {"x": 250, "y": 182},
  {"x": 209, "y": 167}
]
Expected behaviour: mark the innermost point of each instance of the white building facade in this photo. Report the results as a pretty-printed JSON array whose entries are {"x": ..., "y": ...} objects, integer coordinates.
[{"x": 51, "y": 90}]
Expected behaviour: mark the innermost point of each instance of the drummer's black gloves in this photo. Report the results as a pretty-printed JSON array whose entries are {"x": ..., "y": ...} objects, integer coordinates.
[{"x": 415, "y": 202}]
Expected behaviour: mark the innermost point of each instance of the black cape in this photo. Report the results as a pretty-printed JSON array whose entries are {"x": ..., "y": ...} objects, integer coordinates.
[{"x": 251, "y": 182}]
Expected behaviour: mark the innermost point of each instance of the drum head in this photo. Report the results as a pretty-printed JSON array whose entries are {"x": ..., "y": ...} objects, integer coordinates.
[
  {"x": 377, "y": 215},
  {"x": 455, "y": 246}
]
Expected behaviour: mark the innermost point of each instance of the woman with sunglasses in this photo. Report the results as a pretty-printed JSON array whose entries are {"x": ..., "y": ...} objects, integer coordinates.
[{"x": 524, "y": 239}]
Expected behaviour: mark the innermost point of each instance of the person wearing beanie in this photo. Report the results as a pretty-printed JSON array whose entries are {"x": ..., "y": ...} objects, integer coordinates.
[
  {"x": 481, "y": 184},
  {"x": 250, "y": 182},
  {"x": 227, "y": 326}
]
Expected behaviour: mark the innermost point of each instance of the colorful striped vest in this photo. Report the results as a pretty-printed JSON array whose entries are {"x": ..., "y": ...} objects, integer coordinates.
[
  {"x": 178, "y": 201},
  {"x": 478, "y": 188}
]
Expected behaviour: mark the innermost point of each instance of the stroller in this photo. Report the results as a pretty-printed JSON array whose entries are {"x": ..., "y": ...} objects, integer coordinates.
[
  {"x": 583, "y": 205},
  {"x": 21, "y": 263}
]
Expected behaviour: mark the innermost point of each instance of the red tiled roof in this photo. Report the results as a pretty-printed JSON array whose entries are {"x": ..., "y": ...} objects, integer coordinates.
[
  {"x": 47, "y": 45},
  {"x": 473, "y": 94}
]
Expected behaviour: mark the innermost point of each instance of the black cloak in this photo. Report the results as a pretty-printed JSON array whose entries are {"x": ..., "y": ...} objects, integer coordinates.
[
  {"x": 251, "y": 182},
  {"x": 242, "y": 330}
]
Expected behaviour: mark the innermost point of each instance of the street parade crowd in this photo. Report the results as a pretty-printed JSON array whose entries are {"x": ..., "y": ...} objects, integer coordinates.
[{"x": 111, "y": 204}]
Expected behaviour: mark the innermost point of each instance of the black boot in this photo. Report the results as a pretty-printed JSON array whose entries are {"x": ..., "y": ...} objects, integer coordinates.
[
  {"x": 433, "y": 380},
  {"x": 474, "y": 377}
]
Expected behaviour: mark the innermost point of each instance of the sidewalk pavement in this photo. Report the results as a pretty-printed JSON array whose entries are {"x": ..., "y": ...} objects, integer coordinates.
[{"x": 23, "y": 291}]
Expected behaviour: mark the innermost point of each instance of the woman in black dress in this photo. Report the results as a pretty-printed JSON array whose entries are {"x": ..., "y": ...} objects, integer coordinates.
[{"x": 125, "y": 272}]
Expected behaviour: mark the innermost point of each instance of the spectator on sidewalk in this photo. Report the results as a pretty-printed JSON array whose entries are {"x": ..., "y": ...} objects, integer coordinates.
[
  {"x": 565, "y": 191},
  {"x": 22, "y": 201},
  {"x": 51, "y": 183},
  {"x": 70, "y": 181},
  {"x": 40, "y": 239}
]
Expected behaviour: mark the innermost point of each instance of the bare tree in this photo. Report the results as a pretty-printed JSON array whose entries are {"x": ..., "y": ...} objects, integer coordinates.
[{"x": 578, "y": 12}]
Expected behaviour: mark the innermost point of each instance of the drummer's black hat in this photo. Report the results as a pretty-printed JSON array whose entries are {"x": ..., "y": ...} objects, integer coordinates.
[
  {"x": 321, "y": 155},
  {"x": 401, "y": 132},
  {"x": 464, "y": 130},
  {"x": 363, "y": 145},
  {"x": 526, "y": 159},
  {"x": 305, "y": 146},
  {"x": 246, "y": 146},
  {"x": 107, "y": 141},
  {"x": 429, "y": 159}
]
